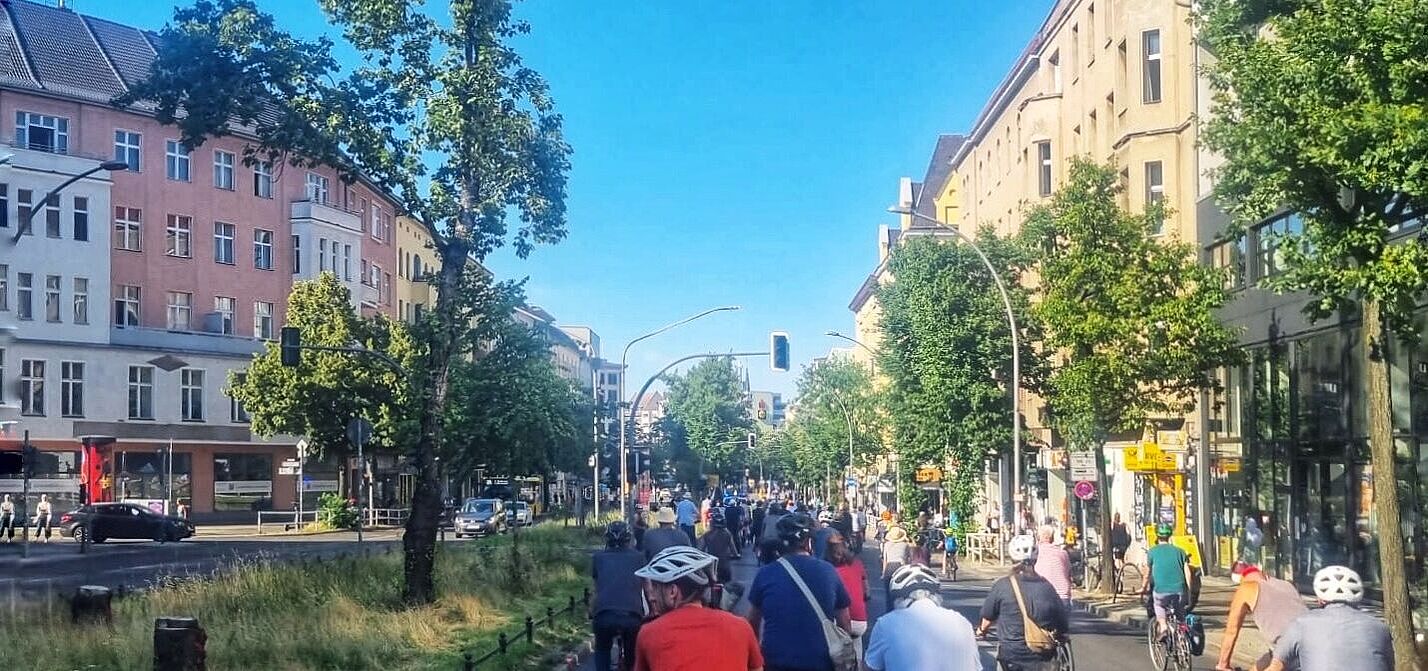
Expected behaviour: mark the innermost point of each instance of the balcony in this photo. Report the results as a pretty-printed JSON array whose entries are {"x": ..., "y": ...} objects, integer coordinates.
[
  {"x": 322, "y": 213},
  {"x": 183, "y": 341},
  {"x": 370, "y": 295}
]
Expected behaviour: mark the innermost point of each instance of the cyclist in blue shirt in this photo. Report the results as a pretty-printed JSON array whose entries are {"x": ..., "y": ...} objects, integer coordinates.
[{"x": 791, "y": 633}]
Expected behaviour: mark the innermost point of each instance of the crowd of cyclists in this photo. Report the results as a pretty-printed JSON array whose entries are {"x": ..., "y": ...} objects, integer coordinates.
[{"x": 663, "y": 597}]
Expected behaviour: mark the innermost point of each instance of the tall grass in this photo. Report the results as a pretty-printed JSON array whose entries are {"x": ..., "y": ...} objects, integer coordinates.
[{"x": 343, "y": 614}]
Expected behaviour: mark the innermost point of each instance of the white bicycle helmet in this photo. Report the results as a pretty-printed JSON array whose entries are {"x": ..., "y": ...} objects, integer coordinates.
[
  {"x": 826, "y": 516},
  {"x": 1338, "y": 584},
  {"x": 678, "y": 561},
  {"x": 912, "y": 577},
  {"x": 1019, "y": 548}
]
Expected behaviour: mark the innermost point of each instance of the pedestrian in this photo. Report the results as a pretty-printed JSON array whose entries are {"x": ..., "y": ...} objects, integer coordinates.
[
  {"x": 824, "y": 532},
  {"x": 792, "y": 597},
  {"x": 182, "y": 508},
  {"x": 734, "y": 522},
  {"x": 42, "y": 517},
  {"x": 665, "y": 535},
  {"x": 1272, "y": 604},
  {"x": 1017, "y": 600},
  {"x": 1120, "y": 537},
  {"x": 7, "y": 519},
  {"x": 687, "y": 515},
  {"x": 617, "y": 609},
  {"x": 686, "y": 636},
  {"x": 719, "y": 543},
  {"x": 896, "y": 548},
  {"x": 639, "y": 528},
  {"x": 921, "y": 634},
  {"x": 580, "y": 508},
  {"x": 1053, "y": 563},
  {"x": 857, "y": 521},
  {"x": 1337, "y": 635},
  {"x": 855, "y": 579},
  {"x": 1167, "y": 579}
]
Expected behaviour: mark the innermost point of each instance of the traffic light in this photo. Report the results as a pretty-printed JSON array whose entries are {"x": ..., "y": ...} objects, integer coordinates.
[
  {"x": 778, "y": 351},
  {"x": 291, "y": 347},
  {"x": 11, "y": 463},
  {"x": 753, "y": 440}
]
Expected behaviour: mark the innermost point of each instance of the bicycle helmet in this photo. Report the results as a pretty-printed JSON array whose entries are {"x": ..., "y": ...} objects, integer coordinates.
[
  {"x": 826, "y": 516},
  {"x": 676, "y": 562},
  {"x": 794, "y": 528},
  {"x": 618, "y": 534},
  {"x": 1019, "y": 548},
  {"x": 908, "y": 580},
  {"x": 716, "y": 518},
  {"x": 1338, "y": 584},
  {"x": 1164, "y": 530}
]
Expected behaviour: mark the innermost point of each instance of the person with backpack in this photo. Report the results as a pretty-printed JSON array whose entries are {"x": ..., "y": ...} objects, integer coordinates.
[
  {"x": 1027, "y": 611},
  {"x": 1168, "y": 577}
]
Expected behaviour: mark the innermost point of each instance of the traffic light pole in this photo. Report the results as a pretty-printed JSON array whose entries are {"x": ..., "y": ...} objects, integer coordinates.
[{"x": 27, "y": 466}]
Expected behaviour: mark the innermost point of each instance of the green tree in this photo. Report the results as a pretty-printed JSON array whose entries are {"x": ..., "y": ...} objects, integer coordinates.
[
  {"x": 834, "y": 395},
  {"x": 1132, "y": 318},
  {"x": 946, "y": 352},
  {"x": 708, "y": 406},
  {"x": 327, "y": 390},
  {"x": 440, "y": 89},
  {"x": 1319, "y": 109}
]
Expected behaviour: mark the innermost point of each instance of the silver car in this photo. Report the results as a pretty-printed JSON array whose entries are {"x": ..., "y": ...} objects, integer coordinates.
[
  {"x": 480, "y": 517},
  {"x": 522, "y": 515}
]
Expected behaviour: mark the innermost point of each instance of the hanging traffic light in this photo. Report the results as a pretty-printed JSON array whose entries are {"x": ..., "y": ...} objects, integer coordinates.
[
  {"x": 290, "y": 345},
  {"x": 778, "y": 351}
]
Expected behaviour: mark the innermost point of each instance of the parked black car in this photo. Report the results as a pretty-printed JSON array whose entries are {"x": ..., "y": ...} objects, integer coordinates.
[{"x": 123, "y": 520}]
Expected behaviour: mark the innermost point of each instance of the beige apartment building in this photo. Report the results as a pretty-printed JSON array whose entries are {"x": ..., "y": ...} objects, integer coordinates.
[{"x": 416, "y": 256}]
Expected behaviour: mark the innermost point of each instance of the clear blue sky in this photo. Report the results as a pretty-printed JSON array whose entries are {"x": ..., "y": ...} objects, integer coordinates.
[{"x": 731, "y": 153}]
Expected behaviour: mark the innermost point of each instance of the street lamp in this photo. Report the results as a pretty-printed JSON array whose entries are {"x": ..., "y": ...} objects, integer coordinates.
[
  {"x": 855, "y": 341},
  {"x": 1015, "y": 345},
  {"x": 24, "y": 226},
  {"x": 624, "y": 356},
  {"x": 847, "y": 472}
]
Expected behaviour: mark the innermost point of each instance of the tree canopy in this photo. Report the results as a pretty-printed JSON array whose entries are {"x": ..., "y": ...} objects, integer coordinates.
[
  {"x": 834, "y": 396},
  {"x": 709, "y": 407}
]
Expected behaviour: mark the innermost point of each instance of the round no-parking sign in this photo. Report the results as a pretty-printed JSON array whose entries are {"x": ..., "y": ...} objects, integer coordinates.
[{"x": 1085, "y": 490}]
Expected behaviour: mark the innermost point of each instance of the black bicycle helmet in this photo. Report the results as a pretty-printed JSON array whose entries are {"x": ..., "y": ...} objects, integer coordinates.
[
  {"x": 618, "y": 534},
  {"x": 716, "y": 518},
  {"x": 795, "y": 528}
]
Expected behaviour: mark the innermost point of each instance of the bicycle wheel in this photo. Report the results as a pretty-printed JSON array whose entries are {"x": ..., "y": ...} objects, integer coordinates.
[
  {"x": 1065, "y": 660},
  {"x": 1159, "y": 652},
  {"x": 1181, "y": 650}
]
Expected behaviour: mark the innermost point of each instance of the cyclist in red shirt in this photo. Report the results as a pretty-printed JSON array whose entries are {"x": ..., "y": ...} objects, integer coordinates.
[{"x": 686, "y": 636}]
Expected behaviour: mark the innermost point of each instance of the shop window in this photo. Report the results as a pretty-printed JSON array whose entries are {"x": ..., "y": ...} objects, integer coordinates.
[
  {"x": 1321, "y": 392},
  {"x": 149, "y": 475},
  {"x": 242, "y": 482}
]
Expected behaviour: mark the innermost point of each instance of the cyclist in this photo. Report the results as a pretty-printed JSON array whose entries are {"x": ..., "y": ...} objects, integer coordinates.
[
  {"x": 1053, "y": 563},
  {"x": 616, "y": 610},
  {"x": 686, "y": 635},
  {"x": 824, "y": 532},
  {"x": 949, "y": 553},
  {"x": 793, "y": 635},
  {"x": 896, "y": 551},
  {"x": 1003, "y": 608},
  {"x": 1337, "y": 636},
  {"x": 855, "y": 579},
  {"x": 1271, "y": 602},
  {"x": 718, "y": 542},
  {"x": 665, "y": 535},
  {"x": 1167, "y": 579},
  {"x": 921, "y": 634}
]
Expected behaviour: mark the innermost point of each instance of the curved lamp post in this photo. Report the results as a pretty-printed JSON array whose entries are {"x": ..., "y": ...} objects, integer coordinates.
[
  {"x": 1015, "y": 347},
  {"x": 624, "y": 355},
  {"x": 24, "y": 226}
]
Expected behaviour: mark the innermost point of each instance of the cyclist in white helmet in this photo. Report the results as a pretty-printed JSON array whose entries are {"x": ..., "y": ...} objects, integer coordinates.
[
  {"x": 686, "y": 635},
  {"x": 1337, "y": 636},
  {"x": 821, "y": 535},
  {"x": 920, "y": 633},
  {"x": 1004, "y": 607}
]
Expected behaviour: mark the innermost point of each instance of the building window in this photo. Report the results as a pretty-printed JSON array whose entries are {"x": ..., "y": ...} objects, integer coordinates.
[
  {"x": 81, "y": 300},
  {"x": 52, "y": 217},
  {"x": 1230, "y": 257},
  {"x": 2, "y": 375},
  {"x": 1274, "y": 237},
  {"x": 71, "y": 388},
  {"x": 41, "y": 132},
  {"x": 191, "y": 394},
  {"x": 1150, "y": 65},
  {"x": 25, "y": 296},
  {"x": 126, "y": 305},
  {"x": 4, "y": 205},
  {"x": 263, "y": 179},
  {"x": 1055, "y": 61},
  {"x": 176, "y": 160},
  {"x": 223, "y": 170},
  {"x": 32, "y": 387},
  {"x": 24, "y": 199},
  {"x": 317, "y": 188},
  {"x": 236, "y": 412},
  {"x": 346, "y": 262},
  {"x": 81, "y": 218},
  {"x": 297, "y": 254},
  {"x": 374, "y": 277},
  {"x": 4, "y": 290},
  {"x": 52, "y": 298},
  {"x": 263, "y": 249},
  {"x": 1043, "y": 168},
  {"x": 263, "y": 320},
  {"x": 1155, "y": 190},
  {"x": 242, "y": 482},
  {"x": 126, "y": 148},
  {"x": 127, "y": 223},
  {"x": 180, "y": 310},
  {"x": 376, "y": 222},
  {"x": 141, "y": 392},
  {"x": 225, "y": 307},
  {"x": 322, "y": 255},
  {"x": 178, "y": 236},
  {"x": 223, "y": 237}
]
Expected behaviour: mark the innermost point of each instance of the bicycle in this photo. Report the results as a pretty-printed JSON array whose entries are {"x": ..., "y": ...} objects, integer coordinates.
[
  {"x": 1174, "y": 647},
  {"x": 1065, "y": 660}
]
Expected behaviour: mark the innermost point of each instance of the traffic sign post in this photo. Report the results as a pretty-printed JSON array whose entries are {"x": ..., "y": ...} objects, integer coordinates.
[
  {"x": 359, "y": 431},
  {"x": 1083, "y": 466},
  {"x": 1085, "y": 490}
]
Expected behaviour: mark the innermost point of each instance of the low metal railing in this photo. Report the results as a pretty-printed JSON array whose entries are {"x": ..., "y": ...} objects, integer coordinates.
[
  {"x": 505, "y": 641},
  {"x": 387, "y": 517},
  {"x": 288, "y": 519}
]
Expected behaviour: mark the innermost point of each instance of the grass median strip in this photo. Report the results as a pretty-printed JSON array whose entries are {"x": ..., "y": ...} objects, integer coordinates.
[{"x": 338, "y": 614}]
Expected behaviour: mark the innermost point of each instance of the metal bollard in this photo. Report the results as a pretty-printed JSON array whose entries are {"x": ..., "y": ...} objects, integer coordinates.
[
  {"x": 585, "y": 596},
  {"x": 530, "y": 630},
  {"x": 466, "y": 663},
  {"x": 502, "y": 643},
  {"x": 179, "y": 645},
  {"x": 571, "y": 605}
]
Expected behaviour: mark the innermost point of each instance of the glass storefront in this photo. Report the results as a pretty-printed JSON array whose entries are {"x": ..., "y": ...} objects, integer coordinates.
[
  {"x": 242, "y": 482},
  {"x": 150, "y": 476}
]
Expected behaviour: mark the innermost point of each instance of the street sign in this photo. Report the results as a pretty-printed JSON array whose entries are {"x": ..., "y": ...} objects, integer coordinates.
[
  {"x": 302, "y": 446},
  {"x": 1083, "y": 466},
  {"x": 287, "y": 470},
  {"x": 851, "y": 482},
  {"x": 359, "y": 431},
  {"x": 291, "y": 463},
  {"x": 1085, "y": 490}
]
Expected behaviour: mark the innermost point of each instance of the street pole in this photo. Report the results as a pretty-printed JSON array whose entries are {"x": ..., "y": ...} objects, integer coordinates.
[
  {"x": 624, "y": 369},
  {"x": 169, "y": 479},
  {"x": 848, "y": 472},
  {"x": 1010, "y": 511},
  {"x": 27, "y": 454}
]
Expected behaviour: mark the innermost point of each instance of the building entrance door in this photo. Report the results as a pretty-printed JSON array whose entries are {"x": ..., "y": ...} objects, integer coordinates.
[{"x": 1321, "y": 525}]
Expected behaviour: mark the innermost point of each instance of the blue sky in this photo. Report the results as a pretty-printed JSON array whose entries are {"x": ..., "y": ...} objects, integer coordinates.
[{"x": 731, "y": 152}]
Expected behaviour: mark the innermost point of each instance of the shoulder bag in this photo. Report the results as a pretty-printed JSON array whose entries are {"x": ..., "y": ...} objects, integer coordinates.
[
  {"x": 840, "y": 643},
  {"x": 1038, "y": 640}
]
